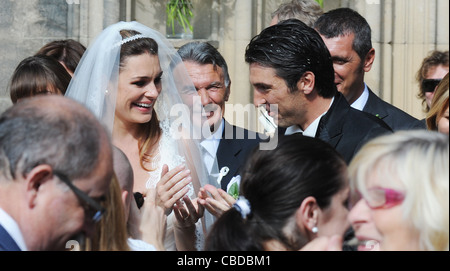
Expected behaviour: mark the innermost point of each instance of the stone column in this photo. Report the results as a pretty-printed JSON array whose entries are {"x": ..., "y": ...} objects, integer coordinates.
[{"x": 237, "y": 31}]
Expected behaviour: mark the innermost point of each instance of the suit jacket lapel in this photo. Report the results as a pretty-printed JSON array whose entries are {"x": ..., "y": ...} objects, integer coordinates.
[
  {"x": 6, "y": 241},
  {"x": 374, "y": 106},
  {"x": 330, "y": 125},
  {"x": 227, "y": 151}
]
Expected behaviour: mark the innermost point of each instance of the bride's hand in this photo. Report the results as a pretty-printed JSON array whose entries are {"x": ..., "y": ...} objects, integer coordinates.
[
  {"x": 187, "y": 212},
  {"x": 172, "y": 187},
  {"x": 219, "y": 201}
]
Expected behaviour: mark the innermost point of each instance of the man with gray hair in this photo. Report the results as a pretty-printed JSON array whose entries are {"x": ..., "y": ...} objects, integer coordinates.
[
  {"x": 229, "y": 144},
  {"x": 55, "y": 169},
  {"x": 307, "y": 11}
]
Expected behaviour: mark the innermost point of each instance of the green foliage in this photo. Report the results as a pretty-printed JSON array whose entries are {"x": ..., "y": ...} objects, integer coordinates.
[
  {"x": 234, "y": 191},
  {"x": 180, "y": 11},
  {"x": 320, "y": 3}
]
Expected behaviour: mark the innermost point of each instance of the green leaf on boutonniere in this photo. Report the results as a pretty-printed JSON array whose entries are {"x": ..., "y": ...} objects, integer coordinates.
[
  {"x": 378, "y": 116},
  {"x": 234, "y": 191}
]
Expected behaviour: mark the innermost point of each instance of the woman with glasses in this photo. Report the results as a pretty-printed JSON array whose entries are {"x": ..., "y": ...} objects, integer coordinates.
[
  {"x": 403, "y": 179},
  {"x": 434, "y": 67}
]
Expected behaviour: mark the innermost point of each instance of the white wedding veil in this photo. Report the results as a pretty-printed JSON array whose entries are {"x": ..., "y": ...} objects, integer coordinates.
[{"x": 95, "y": 84}]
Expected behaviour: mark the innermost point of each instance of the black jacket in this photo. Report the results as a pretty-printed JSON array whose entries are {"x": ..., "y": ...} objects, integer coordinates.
[
  {"x": 395, "y": 118},
  {"x": 234, "y": 148},
  {"x": 347, "y": 129}
]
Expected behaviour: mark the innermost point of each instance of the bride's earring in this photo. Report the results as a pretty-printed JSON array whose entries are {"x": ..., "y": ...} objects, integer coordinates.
[{"x": 106, "y": 92}]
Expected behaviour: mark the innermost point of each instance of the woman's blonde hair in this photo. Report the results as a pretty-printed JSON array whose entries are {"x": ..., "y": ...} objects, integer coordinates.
[
  {"x": 419, "y": 160},
  {"x": 438, "y": 105},
  {"x": 111, "y": 231}
]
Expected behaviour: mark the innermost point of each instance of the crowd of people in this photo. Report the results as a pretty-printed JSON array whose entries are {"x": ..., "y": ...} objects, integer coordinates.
[{"x": 124, "y": 146}]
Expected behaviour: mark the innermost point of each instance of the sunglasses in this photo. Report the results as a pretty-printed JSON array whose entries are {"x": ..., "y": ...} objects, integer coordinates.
[
  {"x": 93, "y": 209},
  {"x": 429, "y": 85},
  {"x": 384, "y": 198}
]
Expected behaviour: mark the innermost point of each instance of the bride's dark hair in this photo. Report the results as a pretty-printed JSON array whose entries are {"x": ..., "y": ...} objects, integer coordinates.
[{"x": 152, "y": 130}]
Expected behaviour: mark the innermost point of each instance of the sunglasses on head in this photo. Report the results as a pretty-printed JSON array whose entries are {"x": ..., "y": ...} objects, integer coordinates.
[{"x": 429, "y": 85}]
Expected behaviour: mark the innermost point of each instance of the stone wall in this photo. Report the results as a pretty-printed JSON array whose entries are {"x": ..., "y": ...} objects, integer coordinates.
[{"x": 25, "y": 26}]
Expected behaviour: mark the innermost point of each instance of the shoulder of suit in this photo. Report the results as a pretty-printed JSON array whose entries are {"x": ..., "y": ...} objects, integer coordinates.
[{"x": 396, "y": 117}]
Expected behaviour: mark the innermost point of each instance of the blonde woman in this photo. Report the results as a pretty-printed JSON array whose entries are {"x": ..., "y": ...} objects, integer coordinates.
[{"x": 404, "y": 179}]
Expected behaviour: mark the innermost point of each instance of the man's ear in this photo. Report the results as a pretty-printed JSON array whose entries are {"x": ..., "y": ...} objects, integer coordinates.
[
  {"x": 368, "y": 61},
  {"x": 35, "y": 179},
  {"x": 307, "y": 214},
  {"x": 307, "y": 83}
]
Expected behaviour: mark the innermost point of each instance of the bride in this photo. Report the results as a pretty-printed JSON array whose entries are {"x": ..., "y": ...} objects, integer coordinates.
[{"x": 132, "y": 78}]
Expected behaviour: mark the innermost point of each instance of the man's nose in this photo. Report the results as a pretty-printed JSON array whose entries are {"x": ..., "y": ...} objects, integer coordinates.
[
  {"x": 258, "y": 99},
  {"x": 204, "y": 96}
]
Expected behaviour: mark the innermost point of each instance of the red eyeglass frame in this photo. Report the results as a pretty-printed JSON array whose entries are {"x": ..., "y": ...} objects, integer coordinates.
[{"x": 392, "y": 198}]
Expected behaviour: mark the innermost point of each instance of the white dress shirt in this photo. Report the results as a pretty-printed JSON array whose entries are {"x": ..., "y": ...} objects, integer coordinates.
[
  {"x": 362, "y": 100},
  {"x": 211, "y": 145},
  {"x": 12, "y": 228}
]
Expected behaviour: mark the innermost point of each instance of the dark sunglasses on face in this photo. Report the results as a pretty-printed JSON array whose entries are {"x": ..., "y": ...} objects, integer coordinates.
[
  {"x": 429, "y": 85},
  {"x": 93, "y": 209}
]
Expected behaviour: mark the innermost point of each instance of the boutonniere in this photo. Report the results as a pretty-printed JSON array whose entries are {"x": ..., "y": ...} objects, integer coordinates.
[
  {"x": 233, "y": 186},
  {"x": 378, "y": 116}
]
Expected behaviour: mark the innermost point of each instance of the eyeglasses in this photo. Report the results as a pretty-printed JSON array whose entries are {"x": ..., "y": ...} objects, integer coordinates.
[
  {"x": 429, "y": 85},
  {"x": 383, "y": 198},
  {"x": 93, "y": 210}
]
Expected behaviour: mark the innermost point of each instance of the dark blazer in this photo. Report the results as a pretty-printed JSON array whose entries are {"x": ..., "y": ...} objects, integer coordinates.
[
  {"x": 347, "y": 129},
  {"x": 7, "y": 243},
  {"x": 395, "y": 118},
  {"x": 234, "y": 148}
]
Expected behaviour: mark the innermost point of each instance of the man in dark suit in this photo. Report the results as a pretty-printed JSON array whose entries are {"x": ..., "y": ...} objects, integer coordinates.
[
  {"x": 229, "y": 144},
  {"x": 290, "y": 67},
  {"x": 50, "y": 183},
  {"x": 348, "y": 38}
]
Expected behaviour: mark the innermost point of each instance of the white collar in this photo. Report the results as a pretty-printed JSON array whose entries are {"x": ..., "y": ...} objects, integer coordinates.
[
  {"x": 12, "y": 228},
  {"x": 312, "y": 128},
  {"x": 362, "y": 100}
]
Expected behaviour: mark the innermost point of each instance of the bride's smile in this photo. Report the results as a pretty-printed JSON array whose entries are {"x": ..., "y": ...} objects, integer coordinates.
[{"x": 139, "y": 86}]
